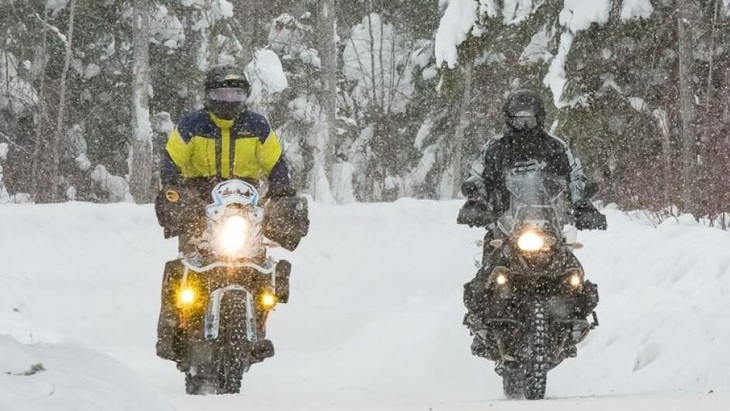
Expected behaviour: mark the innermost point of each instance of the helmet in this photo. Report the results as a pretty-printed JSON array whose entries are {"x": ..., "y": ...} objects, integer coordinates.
[
  {"x": 524, "y": 110},
  {"x": 226, "y": 91}
]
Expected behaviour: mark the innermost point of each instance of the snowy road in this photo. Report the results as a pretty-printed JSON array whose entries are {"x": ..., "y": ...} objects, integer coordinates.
[{"x": 374, "y": 321}]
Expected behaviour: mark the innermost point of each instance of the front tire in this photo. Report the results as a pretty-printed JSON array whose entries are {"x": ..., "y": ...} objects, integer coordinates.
[
  {"x": 217, "y": 367},
  {"x": 537, "y": 362},
  {"x": 513, "y": 385},
  {"x": 233, "y": 346}
]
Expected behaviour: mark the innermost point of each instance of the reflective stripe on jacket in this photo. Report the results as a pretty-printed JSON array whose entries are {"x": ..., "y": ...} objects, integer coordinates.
[{"x": 203, "y": 145}]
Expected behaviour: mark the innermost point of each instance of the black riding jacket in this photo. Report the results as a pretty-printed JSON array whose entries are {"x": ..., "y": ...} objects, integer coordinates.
[{"x": 514, "y": 150}]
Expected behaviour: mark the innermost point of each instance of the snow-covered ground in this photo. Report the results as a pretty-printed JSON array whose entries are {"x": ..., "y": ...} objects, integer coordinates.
[{"x": 374, "y": 320}]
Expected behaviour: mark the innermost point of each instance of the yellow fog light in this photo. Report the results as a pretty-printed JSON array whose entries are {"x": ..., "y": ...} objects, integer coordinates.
[
  {"x": 500, "y": 275},
  {"x": 268, "y": 300},
  {"x": 575, "y": 277},
  {"x": 186, "y": 296},
  {"x": 531, "y": 241}
]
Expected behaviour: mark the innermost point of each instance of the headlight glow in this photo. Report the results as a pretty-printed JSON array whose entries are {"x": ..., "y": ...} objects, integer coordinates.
[
  {"x": 500, "y": 275},
  {"x": 233, "y": 234},
  {"x": 186, "y": 296},
  {"x": 268, "y": 300},
  {"x": 575, "y": 277},
  {"x": 531, "y": 241}
]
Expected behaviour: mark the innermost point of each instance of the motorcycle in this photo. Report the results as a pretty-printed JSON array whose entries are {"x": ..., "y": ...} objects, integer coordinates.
[
  {"x": 534, "y": 298},
  {"x": 226, "y": 290}
]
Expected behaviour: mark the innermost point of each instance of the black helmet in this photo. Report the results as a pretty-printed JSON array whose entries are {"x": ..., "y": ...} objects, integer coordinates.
[
  {"x": 524, "y": 110},
  {"x": 226, "y": 91}
]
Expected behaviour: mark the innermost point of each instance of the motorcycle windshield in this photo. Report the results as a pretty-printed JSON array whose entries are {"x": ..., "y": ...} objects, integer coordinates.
[{"x": 536, "y": 199}]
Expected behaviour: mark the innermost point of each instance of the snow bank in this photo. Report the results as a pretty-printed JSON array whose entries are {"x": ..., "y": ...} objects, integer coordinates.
[
  {"x": 45, "y": 377},
  {"x": 374, "y": 320}
]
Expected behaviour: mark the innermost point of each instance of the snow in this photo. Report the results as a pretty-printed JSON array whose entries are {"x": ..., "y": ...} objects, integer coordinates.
[
  {"x": 556, "y": 79},
  {"x": 287, "y": 35},
  {"x": 636, "y": 9},
  {"x": 515, "y": 11},
  {"x": 374, "y": 321},
  {"x": 423, "y": 133},
  {"x": 342, "y": 190},
  {"x": 91, "y": 71},
  {"x": 166, "y": 28},
  {"x": 638, "y": 104},
  {"x": 456, "y": 23},
  {"x": 311, "y": 57},
  {"x": 54, "y": 5},
  {"x": 538, "y": 50},
  {"x": 266, "y": 73},
  {"x": 115, "y": 186},
  {"x": 580, "y": 14},
  {"x": 221, "y": 9},
  {"x": 72, "y": 378},
  {"x": 376, "y": 56},
  {"x": 15, "y": 93}
]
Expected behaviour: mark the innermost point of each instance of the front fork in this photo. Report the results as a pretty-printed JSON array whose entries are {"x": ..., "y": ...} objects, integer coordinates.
[
  {"x": 212, "y": 318},
  {"x": 213, "y": 313}
]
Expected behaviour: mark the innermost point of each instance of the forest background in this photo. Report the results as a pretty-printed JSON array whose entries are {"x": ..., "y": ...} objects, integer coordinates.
[{"x": 373, "y": 99}]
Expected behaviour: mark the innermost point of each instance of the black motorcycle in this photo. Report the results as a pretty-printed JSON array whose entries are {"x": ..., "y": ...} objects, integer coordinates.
[{"x": 530, "y": 299}]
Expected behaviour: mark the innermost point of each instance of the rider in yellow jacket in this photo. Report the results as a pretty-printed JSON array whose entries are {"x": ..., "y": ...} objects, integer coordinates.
[{"x": 222, "y": 141}]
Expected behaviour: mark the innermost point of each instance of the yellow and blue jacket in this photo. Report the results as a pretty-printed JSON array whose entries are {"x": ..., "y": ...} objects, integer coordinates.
[{"x": 205, "y": 146}]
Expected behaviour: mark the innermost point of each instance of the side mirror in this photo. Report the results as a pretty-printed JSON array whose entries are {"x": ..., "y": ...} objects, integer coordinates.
[{"x": 496, "y": 243}]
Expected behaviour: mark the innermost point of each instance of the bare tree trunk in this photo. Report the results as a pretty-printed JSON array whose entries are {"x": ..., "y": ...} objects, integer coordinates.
[
  {"x": 668, "y": 172},
  {"x": 39, "y": 63},
  {"x": 328, "y": 96},
  {"x": 461, "y": 128},
  {"x": 140, "y": 162},
  {"x": 329, "y": 54},
  {"x": 687, "y": 16},
  {"x": 52, "y": 194}
]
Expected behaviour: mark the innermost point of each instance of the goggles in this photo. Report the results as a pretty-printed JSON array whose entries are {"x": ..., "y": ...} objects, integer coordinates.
[
  {"x": 523, "y": 120},
  {"x": 228, "y": 94}
]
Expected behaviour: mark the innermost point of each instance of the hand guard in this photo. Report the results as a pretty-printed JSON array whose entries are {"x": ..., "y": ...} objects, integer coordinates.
[
  {"x": 587, "y": 217},
  {"x": 175, "y": 206},
  {"x": 474, "y": 213},
  {"x": 286, "y": 220},
  {"x": 279, "y": 191}
]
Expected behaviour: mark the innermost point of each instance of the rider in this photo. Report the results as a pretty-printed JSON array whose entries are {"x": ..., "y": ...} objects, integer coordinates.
[
  {"x": 221, "y": 141},
  {"x": 524, "y": 145}
]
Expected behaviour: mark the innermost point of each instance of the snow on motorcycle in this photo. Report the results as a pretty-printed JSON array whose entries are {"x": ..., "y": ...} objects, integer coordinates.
[
  {"x": 530, "y": 303},
  {"x": 225, "y": 285}
]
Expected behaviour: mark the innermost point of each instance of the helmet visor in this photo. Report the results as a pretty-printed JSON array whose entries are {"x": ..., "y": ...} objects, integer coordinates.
[
  {"x": 228, "y": 94},
  {"x": 523, "y": 122}
]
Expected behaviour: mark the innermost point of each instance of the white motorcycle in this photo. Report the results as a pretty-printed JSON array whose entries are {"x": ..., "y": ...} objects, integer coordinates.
[{"x": 228, "y": 287}]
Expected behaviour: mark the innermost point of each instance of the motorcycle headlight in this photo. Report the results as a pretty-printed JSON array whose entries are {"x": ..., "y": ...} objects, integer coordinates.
[
  {"x": 233, "y": 234},
  {"x": 531, "y": 240}
]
